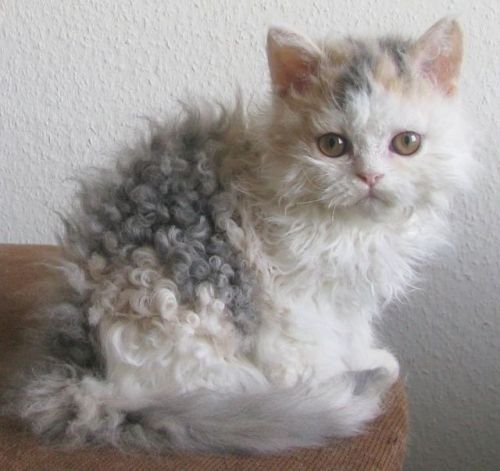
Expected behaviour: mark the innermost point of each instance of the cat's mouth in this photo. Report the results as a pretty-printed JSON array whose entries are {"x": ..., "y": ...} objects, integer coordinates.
[{"x": 370, "y": 198}]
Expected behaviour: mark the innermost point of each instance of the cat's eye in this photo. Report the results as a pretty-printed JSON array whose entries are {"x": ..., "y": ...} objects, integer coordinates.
[
  {"x": 406, "y": 143},
  {"x": 333, "y": 145}
]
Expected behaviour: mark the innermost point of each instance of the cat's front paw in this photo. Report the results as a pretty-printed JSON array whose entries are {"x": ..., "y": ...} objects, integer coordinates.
[{"x": 378, "y": 369}]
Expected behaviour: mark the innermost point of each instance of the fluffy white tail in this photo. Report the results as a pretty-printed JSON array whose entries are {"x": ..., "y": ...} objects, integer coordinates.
[{"x": 62, "y": 407}]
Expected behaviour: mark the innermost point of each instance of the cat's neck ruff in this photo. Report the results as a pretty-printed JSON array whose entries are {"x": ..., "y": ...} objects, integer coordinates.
[{"x": 300, "y": 247}]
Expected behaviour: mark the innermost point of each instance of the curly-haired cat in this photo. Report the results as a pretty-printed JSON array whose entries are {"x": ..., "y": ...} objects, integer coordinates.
[{"x": 226, "y": 275}]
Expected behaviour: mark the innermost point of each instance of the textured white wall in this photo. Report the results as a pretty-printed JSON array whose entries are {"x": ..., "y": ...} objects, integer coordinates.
[{"x": 77, "y": 75}]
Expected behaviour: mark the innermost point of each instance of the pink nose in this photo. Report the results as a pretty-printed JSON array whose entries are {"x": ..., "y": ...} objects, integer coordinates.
[{"x": 370, "y": 178}]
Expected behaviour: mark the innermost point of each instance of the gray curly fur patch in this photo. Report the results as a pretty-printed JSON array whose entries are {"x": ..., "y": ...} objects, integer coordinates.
[{"x": 168, "y": 196}]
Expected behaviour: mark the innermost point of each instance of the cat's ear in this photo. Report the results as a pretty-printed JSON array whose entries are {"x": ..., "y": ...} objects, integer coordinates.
[
  {"x": 293, "y": 60},
  {"x": 438, "y": 54}
]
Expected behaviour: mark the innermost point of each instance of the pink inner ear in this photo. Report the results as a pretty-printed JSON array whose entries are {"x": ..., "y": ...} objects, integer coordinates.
[
  {"x": 296, "y": 75},
  {"x": 443, "y": 72}
]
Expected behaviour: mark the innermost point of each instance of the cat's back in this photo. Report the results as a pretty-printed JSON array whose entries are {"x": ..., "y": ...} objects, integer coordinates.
[{"x": 166, "y": 200}]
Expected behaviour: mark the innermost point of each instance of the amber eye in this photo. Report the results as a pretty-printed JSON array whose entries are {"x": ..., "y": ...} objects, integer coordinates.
[
  {"x": 333, "y": 145},
  {"x": 406, "y": 143}
]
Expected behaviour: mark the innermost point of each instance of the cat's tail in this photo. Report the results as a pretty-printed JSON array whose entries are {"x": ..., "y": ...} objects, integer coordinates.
[
  {"x": 68, "y": 409},
  {"x": 263, "y": 422}
]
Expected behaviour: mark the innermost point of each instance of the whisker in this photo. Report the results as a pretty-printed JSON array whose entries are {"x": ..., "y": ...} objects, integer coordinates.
[{"x": 301, "y": 203}]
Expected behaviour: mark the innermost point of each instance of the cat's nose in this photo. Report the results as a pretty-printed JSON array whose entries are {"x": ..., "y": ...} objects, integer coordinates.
[{"x": 370, "y": 178}]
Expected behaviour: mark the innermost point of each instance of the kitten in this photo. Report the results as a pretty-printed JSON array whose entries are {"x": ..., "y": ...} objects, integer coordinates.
[{"x": 226, "y": 276}]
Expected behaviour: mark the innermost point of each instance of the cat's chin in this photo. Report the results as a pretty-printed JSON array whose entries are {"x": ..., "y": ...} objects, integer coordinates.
[{"x": 375, "y": 207}]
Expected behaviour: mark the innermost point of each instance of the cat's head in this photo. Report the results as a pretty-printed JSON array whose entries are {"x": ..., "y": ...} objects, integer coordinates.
[{"x": 367, "y": 127}]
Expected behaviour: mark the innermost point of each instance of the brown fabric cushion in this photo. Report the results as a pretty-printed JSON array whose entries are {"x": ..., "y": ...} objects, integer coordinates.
[{"x": 22, "y": 282}]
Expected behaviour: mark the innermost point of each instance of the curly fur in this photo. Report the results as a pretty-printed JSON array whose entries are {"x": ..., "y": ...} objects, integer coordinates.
[{"x": 226, "y": 276}]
